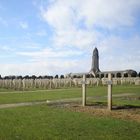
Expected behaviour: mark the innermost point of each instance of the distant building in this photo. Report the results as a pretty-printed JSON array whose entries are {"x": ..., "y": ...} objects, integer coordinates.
[
  {"x": 118, "y": 73},
  {"x": 95, "y": 71}
]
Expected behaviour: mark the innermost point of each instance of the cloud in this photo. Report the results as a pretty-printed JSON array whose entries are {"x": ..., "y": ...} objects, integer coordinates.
[
  {"x": 119, "y": 54},
  {"x": 64, "y": 14},
  {"x": 108, "y": 13},
  {"x": 51, "y": 61},
  {"x": 74, "y": 27},
  {"x": 58, "y": 15},
  {"x": 6, "y": 48},
  {"x": 41, "y": 68},
  {"x": 75, "y": 38},
  {"x": 23, "y": 25},
  {"x": 51, "y": 53},
  {"x": 41, "y": 33},
  {"x": 76, "y": 23}
]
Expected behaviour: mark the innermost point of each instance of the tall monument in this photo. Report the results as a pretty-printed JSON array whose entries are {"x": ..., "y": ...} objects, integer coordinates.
[
  {"x": 95, "y": 62},
  {"x": 96, "y": 71}
]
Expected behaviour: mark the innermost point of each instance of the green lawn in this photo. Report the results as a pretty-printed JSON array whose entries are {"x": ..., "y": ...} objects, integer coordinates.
[
  {"x": 42, "y": 122},
  {"x": 42, "y": 95},
  {"x": 47, "y": 123}
]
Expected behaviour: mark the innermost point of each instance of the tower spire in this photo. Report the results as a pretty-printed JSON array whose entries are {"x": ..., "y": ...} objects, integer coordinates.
[{"x": 95, "y": 62}]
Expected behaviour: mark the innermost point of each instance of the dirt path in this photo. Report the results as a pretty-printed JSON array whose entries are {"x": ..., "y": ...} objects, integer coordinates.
[
  {"x": 43, "y": 90},
  {"x": 21, "y": 104},
  {"x": 57, "y": 102}
]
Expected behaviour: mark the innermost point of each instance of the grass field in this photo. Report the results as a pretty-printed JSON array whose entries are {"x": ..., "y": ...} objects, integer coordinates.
[
  {"x": 42, "y": 95},
  {"x": 43, "y": 122}
]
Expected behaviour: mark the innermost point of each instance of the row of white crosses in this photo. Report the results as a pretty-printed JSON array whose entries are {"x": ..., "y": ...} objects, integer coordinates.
[{"x": 84, "y": 83}]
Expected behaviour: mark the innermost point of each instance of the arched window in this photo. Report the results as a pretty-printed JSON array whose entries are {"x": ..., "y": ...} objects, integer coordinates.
[
  {"x": 126, "y": 75},
  {"x": 118, "y": 74}
]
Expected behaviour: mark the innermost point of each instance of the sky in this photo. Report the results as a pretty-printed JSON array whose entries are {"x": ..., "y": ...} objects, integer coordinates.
[{"x": 49, "y": 37}]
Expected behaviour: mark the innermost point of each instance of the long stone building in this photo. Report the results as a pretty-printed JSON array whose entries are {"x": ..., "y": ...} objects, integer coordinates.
[{"x": 95, "y": 70}]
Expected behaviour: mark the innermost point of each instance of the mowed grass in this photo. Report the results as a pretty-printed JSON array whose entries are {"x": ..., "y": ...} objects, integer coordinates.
[
  {"x": 42, "y": 95},
  {"x": 48, "y": 123},
  {"x": 42, "y": 122}
]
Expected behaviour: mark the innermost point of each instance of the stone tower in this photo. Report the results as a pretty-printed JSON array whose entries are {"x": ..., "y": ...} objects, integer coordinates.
[{"x": 95, "y": 62}]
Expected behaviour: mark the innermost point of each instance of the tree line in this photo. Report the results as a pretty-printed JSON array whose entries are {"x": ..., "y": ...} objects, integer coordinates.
[
  {"x": 57, "y": 76},
  {"x": 32, "y": 77}
]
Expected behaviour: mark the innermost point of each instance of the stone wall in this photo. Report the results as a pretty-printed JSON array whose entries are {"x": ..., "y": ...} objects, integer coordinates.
[{"x": 25, "y": 84}]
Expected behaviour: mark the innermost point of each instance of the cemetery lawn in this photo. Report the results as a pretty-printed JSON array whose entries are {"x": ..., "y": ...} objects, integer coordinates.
[
  {"x": 41, "y": 122},
  {"x": 98, "y": 94}
]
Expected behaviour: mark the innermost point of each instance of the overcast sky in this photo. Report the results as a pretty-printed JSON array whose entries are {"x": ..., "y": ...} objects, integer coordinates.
[{"x": 49, "y": 37}]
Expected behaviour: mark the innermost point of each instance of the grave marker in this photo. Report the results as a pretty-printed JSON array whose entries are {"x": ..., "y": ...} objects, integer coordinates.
[
  {"x": 109, "y": 91},
  {"x": 84, "y": 90}
]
